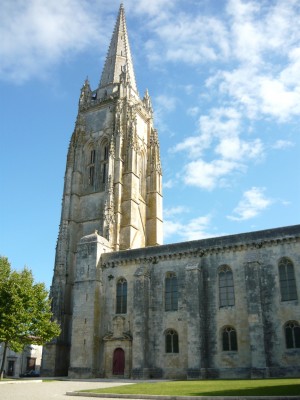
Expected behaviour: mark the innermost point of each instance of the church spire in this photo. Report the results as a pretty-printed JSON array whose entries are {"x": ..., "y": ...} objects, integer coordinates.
[{"x": 118, "y": 60}]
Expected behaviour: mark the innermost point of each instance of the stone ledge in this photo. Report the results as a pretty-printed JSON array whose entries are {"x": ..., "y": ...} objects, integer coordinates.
[{"x": 200, "y": 248}]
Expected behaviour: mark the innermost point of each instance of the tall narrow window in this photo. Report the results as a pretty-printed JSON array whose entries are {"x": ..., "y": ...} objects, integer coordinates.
[
  {"x": 172, "y": 345},
  {"x": 121, "y": 296},
  {"x": 292, "y": 335},
  {"x": 229, "y": 339},
  {"x": 92, "y": 168},
  {"x": 226, "y": 287},
  {"x": 171, "y": 292},
  {"x": 287, "y": 280},
  {"x": 143, "y": 182},
  {"x": 104, "y": 163}
]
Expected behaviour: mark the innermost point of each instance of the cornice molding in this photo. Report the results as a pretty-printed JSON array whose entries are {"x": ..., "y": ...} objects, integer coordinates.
[{"x": 110, "y": 261}]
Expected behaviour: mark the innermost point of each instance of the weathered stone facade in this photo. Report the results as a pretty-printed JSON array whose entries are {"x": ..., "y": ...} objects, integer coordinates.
[{"x": 224, "y": 307}]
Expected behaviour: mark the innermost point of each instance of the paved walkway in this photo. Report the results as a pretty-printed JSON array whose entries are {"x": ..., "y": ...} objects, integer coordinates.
[{"x": 36, "y": 389}]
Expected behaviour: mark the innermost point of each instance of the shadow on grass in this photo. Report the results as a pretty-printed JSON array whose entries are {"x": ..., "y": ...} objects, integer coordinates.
[{"x": 277, "y": 390}]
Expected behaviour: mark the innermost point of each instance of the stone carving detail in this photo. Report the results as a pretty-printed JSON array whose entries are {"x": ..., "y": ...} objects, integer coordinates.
[
  {"x": 109, "y": 210},
  {"x": 118, "y": 118},
  {"x": 142, "y": 271},
  {"x": 147, "y": 103},
  {"x": 85, "y": 95},
  {"x": 119, "y": 331},
  {"x": 112, "y": 148},
  {"x": 62, "y": 243}
]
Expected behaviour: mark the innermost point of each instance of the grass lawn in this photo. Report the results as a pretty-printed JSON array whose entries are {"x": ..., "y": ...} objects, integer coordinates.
[{"x": 255, "y": 387}]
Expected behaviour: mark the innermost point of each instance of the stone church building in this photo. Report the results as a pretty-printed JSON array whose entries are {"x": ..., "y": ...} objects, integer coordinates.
[{"x": 225, "y": 307}]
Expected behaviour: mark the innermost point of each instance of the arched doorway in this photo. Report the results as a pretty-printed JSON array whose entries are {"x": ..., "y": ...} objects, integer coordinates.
[{"x": 119, "y": 362}]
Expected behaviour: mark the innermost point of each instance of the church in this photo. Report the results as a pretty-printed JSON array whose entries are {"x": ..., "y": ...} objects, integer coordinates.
[{"x": 131, "y": 307}]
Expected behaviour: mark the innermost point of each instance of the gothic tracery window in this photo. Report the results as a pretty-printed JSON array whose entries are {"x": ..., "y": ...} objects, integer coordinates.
[
  {"x": 226, "y": 287},
  {"x": 229, "y": 339},
  {"x": 172, "y": 343},
  {"x": 287, "y": 280},
  {"x": 171, "y": 292},
  {"x": 121, "y": 303}
]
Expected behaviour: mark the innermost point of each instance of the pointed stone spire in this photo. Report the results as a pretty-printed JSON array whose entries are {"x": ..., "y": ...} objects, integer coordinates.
[
  {"x": 147, "y": 102},
  {"x": 85, "y": 93},
  {"x": 118, "y": 60}
]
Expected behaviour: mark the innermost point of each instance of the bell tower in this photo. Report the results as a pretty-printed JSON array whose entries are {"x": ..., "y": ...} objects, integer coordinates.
[{"x": 113, "y": 181}]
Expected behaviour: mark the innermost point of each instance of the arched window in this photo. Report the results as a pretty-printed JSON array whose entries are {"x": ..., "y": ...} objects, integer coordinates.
[
  {"x": 292, "y": 335},
  {"x": 172, "y": 345},
  {"x": 229, "y": 339},
  {"x": 287, "y": 280},
  {"x": 171, "y": 292},
  {"x": 121, "y": 296},
  {"x": 226, "y": 287},
  {"x": 91, "y": 167}
]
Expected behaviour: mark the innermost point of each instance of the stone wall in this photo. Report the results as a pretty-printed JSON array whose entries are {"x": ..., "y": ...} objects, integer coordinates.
[{"x": 258, "y": 314}]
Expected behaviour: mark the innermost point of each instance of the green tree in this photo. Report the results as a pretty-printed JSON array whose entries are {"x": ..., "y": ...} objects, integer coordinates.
[{"x": 25, "y": 311}]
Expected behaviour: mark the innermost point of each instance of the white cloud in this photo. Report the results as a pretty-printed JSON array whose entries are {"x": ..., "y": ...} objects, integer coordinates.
[
  {"x": 240, "y": 86},
  {"x": 258, "y": 94},
  {"x": 282, "y": 144},
  {"x": 253, "y": 203},
  {"x": 257, "y": 29},
  {"x": 169, "y": 212},
  {"x": 236, "y": 149},
  {"x": 277, "y": 99},
  {"x": 290, "y": 75},
  {"x": 165, "y": 103},
  {"x": 189, "y": 38},
  {"x": 36, "y": 35},
  {"x": 259, "y": 41},
  {"x": 197, "y": 229},
  {"x": 194, "y": 146},
  {"x": 242, "y": 10},
  {"x": 245, "y": 35},
  {"x": 171, "y": 228},
  {"x": 264, "y": 79},
  {"x": 168, "y": 184},
  {"x": 155, "y": 8},
  {"x": 208, "y": 175},
  {"x": 194, "y": 229},
  {"x": 219, "y": 124},
  {"x": 220, "y": 131}
]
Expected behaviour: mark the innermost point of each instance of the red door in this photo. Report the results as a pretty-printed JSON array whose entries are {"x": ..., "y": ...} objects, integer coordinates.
[{"x": 119, "y": 362}]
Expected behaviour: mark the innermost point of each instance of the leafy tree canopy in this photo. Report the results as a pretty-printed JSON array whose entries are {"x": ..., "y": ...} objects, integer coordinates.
[{"x": 25, "y": 310}]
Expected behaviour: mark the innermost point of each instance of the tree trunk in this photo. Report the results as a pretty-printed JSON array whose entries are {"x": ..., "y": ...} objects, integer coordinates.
[{"x": 3, "y": 360}]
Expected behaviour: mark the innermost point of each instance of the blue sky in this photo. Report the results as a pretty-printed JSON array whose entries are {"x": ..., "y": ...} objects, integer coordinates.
[{"x": 224, "y": 77}]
